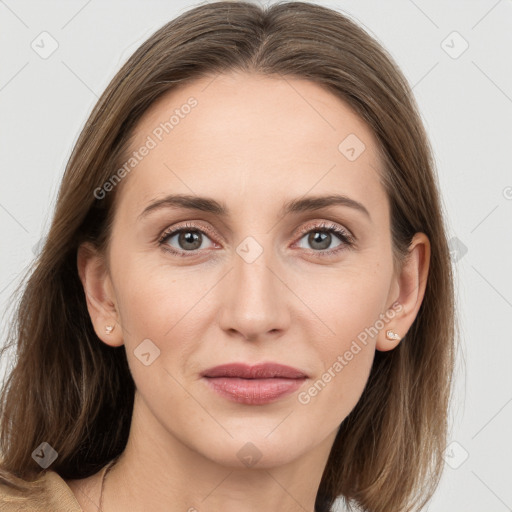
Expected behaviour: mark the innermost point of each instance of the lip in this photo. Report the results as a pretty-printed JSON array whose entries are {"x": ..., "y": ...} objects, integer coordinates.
[
  {"x": 257, "y": 371},
  {"x": 254, "y": 385}
]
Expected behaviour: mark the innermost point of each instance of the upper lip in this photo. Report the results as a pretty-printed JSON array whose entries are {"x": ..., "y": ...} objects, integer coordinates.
[{"x": 258, "y": 371}]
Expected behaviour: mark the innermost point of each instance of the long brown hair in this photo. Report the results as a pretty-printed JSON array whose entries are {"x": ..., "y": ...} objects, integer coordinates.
[{"x": 74, "y": 392}]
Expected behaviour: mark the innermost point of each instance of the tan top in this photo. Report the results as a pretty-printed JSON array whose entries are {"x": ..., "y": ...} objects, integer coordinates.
[{"x": 57, "y": 493}]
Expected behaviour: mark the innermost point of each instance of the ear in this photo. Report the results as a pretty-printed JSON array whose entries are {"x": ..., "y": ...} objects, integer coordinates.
[
  {"x": 411, "y": 284},
  {"x": 99, "y": 293}
]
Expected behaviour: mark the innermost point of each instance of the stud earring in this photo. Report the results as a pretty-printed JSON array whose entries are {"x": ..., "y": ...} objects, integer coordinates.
[
  {"x": 109, "y": 329},
  {"x": 392, "y": 335}
]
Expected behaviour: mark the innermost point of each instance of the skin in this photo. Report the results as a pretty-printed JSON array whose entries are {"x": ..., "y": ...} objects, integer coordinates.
[{"x": 252, "y": 142}]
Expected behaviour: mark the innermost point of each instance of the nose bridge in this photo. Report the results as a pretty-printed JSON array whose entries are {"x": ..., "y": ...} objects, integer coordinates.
[{"x": 255, "y": 301}]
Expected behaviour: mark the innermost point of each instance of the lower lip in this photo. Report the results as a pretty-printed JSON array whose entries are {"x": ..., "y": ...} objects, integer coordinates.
[{"x": 254, "y": 391}]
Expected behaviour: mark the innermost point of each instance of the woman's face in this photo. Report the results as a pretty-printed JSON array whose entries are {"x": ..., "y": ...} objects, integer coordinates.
[{"x": 259, "y": 281}]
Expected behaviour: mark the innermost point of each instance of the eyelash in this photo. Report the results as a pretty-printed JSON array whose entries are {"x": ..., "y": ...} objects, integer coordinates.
[{"x": 347, "y": 240}]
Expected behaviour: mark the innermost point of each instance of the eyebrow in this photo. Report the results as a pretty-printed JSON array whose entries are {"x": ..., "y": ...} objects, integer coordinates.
[{"x": 210, "y": 205}]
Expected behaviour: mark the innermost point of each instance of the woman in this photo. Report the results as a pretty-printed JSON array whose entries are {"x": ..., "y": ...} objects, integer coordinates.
[{"x": 245, "y": 300}]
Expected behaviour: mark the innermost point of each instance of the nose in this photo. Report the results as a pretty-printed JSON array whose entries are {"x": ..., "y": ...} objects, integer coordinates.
[{"x": 255, "y": 299}]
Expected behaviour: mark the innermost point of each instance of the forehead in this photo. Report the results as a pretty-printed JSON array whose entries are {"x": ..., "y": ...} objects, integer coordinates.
[{"x": 252, "y": 138}]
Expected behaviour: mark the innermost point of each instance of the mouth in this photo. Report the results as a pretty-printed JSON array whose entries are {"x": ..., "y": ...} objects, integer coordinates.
[{"x": 254, "y": 385}]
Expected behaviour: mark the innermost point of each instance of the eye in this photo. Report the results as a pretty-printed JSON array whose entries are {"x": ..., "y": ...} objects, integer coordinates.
[
  {"x": 320, "y": 238},
  {"x": 188, "y": 238}
]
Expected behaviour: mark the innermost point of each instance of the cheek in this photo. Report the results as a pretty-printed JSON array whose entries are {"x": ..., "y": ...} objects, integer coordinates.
[
  {"x": 351, "y": 309},
  {"x": 164, "y": 311},
  {"x": 154, "y": 297},
  {"x": 345, "y": 357},
  {"x": 159, "y": 307},
  {"x": 347, "y": 304}
]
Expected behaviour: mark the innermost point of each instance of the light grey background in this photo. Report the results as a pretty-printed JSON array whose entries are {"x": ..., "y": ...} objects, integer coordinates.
[{"x": 466, "y": 104}]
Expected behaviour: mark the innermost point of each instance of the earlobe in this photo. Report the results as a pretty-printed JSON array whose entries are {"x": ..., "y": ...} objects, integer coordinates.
[
  {"x": 99, "y": 295},
  {"x": 412, "y": 283}
]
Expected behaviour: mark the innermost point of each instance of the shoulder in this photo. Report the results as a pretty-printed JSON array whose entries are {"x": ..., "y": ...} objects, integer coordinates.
[{"x": 51, "y": 492}]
